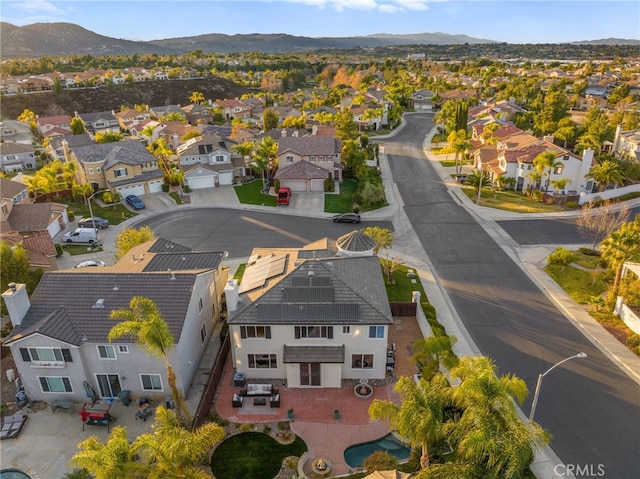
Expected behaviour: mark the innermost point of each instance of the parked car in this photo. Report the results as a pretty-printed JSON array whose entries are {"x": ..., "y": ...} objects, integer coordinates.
[
  {"x": 135, "y": 202},
  {"x": 94, "y": 222},
  {"x": 86, "y": 264},
  {"x": 284, "y": 195},
  {"x": 347, "y": 218},
  {"x": 82, "y": 235}
]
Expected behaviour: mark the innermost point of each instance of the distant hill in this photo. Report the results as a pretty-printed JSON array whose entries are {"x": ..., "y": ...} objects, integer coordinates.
[{"x": 61, "y": 39}]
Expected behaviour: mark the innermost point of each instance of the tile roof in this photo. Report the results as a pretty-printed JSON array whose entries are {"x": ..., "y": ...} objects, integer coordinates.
[
  {"x": 32, "y": 217},
  {"x": 356, "y": 241},
  {"x": 10, "y": 189},
  {"x": 185, "y": 261},
  {"x": 60, "y": 311},
  {"x": 313, "y": 354},
  {"x": 302, "y": 170},
  {"x": 125, "y": 152},
  {"x": 40, "y": 243},
  {"x": 74, "y": 141},
  {"x": 14, "y": 148}
]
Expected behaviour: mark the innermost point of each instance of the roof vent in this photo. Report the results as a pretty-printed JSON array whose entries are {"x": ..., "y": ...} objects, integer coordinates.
[
  {"x": 99, "y": 304},
  {"x": 173, "y": 276},
  {"x": 115, "y": 287},
  {"x": 12, "y": 286},
  {"x": 310, "y": 273}
]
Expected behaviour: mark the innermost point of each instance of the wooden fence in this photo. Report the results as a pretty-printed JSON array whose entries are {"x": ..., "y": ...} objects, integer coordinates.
[{"x": 212, "y": 385}]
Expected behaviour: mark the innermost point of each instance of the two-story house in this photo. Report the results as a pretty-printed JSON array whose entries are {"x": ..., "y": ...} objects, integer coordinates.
[
  {"x": 125, "y": 167},
  {"x": 305, "y": 162},
  {"x": 19, "y": 215},
  {"x": 231, "y": 109},
  {"x": 130, "y": 118},
  {"x": 421, "y": 99},
  {"x": 209, "y": 161},
  {"x": 312, "y": 322},
  {"x": 59, "y": 341},
  {"x": 12, "y": 131},
  {"x": 55, "y": 148},
  {"x": 49, "y": 126},
  {"x": 16, "y": 157},
  {"x": 626, "y": 144},
  {"x": 100, "y": 121}
]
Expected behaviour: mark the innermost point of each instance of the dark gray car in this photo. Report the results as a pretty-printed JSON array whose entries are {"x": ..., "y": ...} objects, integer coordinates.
[
  {"x": 99, "y": 223},
  {"x": 347, "y": 218}
]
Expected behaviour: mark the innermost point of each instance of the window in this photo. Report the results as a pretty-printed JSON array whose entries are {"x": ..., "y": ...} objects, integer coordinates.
[
  {"x": 219, "y": 158},
  {"x": 557, "y": 170},
  {"x": 98, "y": 170},
  {"x": 362, "y": 361},
  {"x": 151, "y": 382},
  {"x": 123, "y": 348},
  {"x": 261, "y": 332},
  {"x": 106, "y": 352},
  {"x": 528, "y": 167},
  {"x": 565, "y": 158},
  {"x": 55, "y": 384},
  {"x": 46, "y": 356},
  {"x": 376, "y": 332},
  {"x": 346, "y": 329},
  {"x": 312, "y": 158},
  {"x": 90, "y": 171},
  {"x": 316, "y": 332},
  {"x": 262, "y": 361},
  {"x": 289, "y": 159},
  {"x": 120, "y": 172},
  {"x": 200, "y": 305},
  {"x": 5, "y": 210},
  {"x": 203, "y": 332}
]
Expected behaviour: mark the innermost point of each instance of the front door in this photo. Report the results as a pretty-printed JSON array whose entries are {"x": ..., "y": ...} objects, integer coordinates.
[
  {"x": 310, "y": 374},
  {"x": 109, "y": 385},
  {"x": 519, "y": 183}
]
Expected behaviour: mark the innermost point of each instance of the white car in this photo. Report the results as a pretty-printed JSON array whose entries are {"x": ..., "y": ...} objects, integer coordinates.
[{"x": 86, "y": 264}]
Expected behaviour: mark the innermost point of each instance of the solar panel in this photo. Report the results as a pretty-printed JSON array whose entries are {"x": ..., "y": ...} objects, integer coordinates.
[
  {"x": 308, "y": 295},
  {"x": 259, "y": 270},
  {"x": 322, "y": 312}
]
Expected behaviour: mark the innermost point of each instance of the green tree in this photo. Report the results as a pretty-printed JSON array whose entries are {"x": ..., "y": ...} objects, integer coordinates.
[
  {"x": 545, "y": 163},
  {"x": 346, "y": 128},
  {"x": 84, "y": 190},
  {"x": 478, "y": 180},
  {"x": 244, "y": 149},
  {"x": 353, "y": 157},
  {"x": 606, "y": 173},
  {"x": 77, "y": 126},
  {"x": 560, "y": 185},
  {"x": 197, "y": 98},
  {"x": 270, "y": 119},
  {"x": 369, "y": 115},
  {"x": 420, "y": 416},
  {"x": 144, "y": 322},
  {"x": 430, "y": 352},
  {"x": 15, "y": 269},
  {"x": 380, "y": 461},
  {"x": 107, "y": 137},
  {"x": 130, "y": 237},
  {"x": 174, "y": 116},
  {"x": 459, "y": 144},
  {"x": 620, "y": 246},
  {"x": 174, "y": 451},
  {"x": 382, "y": 237},
  {"x": 265, "y": 157},
  {"x": 111, "y": 460}
]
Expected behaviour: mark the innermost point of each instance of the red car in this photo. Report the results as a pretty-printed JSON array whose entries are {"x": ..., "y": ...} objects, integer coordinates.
[{"x": 284, "y": 195}]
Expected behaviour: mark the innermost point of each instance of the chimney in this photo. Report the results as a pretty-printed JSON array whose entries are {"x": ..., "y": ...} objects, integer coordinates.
[
  {"x": 283, "y": 133},
  {"x": 231, "y": 293},
  {"x": 616, "y": 139},
  {"x": 548, "y": 138},
  {"x": 587, "y": 161},
  {"x": 17, "y": 302}
]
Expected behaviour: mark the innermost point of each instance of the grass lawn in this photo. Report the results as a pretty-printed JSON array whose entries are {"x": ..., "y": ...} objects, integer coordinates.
[
  {"x": 588, "y": 261},
  {"x": 250, "y": 194},
  {"x": 447, "y": 163},
  {"x": 176, "y": 198},
  {"x": 115, "y": 213},
  {"x": 342, "y": 202},
  {"x": 400, "y": 291},
  {"x": 440, "y": 151},
  {"x": 511, "y": 201},
  {"x": 252, "y": 455},
  {"x": 580, "y": 285},
  {"x": 75, "y": 249}
]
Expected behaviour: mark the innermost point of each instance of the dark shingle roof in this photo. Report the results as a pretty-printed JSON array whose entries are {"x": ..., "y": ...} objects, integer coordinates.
[
  {"x": 356, "y": 241},
  {"x": 162, "y": 245},
  {"x": 184, "y": 261},
  {"x": 10, "y": 189},
  {"x": 63, "y": 306},
  {"x": 128, "y": 152}
]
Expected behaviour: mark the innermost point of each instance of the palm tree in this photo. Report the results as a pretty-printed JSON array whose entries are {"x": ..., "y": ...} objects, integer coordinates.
[
  {"x": 420, "y": 416},
  {"x": 620, "y": 246},
  {"x": 111, "y": 460},
  {"x": 545, "y": 162},
  {"x": 559, "y": 185},
  {"x": 144, "y": 322},
  {"x": 196, "y": 98},
  {"x": 430, "y": 352},
  {"x": 459, "y": 143},
  {"x": 174, "y": 451},
  {"x": 536, "y": 178},
  {"x": 606, "y": 173},
  {"x": 265, "y": 156},
  {"x": 489, "y": 434},
  {"x": 244, "y": 149},
  {"x": 370, "y": 114},
  {"x": 162, "y": 152},
  {"x": 478, "y": 180}
]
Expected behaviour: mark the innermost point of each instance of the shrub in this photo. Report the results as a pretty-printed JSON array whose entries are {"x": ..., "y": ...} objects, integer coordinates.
[
  {"x": 356, "y": 208},
  {"x": 165, "y": 187},
  {"x": 215, "y": 417},
  {"x": 71, "y": 215},
  {"x": 246, "y": 427},
  {"x": 633, "y": 341},
  {"x": 291, "y": 463},
  {"x": 572, "y": 204},
  {"x": 536, "y": 195},
  {"x": 561, "y": 257},
  {"x": 589, "y": 251},
  {"x": 266, "y": 429},
  {"x": 186, "y": 189},
  {"x": 3, "y": 409},
  {"x": 284, "y": 426},
  {"x": 380, "y": 461},
  {"x": 59, "y": 250}
]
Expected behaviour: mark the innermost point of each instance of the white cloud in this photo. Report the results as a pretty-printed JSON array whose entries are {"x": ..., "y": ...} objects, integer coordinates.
[
  {"x": 388, "y": 8},
  {"x": 39, "y": 6}
]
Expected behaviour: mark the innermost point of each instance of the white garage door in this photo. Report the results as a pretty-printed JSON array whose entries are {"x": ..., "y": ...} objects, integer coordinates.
[
  {"x": 201, "y": 182},
  {"x": 295, "y": 185},
  {"x": 226, "y": 177},
  {"x": 317, "y": 186},
  {"x": 155, "y": 186},
  {"x": 137, "y": 190}
]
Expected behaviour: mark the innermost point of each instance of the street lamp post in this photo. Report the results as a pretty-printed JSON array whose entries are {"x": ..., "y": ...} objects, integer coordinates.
[
  {"x": 93, "y": 220},
  {"x": 537, "y": 393}
]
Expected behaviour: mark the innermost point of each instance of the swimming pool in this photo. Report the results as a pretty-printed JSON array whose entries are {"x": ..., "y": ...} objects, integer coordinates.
[
  {"x": 355, "y": 455},
  {"x": 13, "y": 474}
]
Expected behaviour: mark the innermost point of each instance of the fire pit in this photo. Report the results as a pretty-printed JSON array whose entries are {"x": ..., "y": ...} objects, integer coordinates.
[
  {"x": 321, "y": 467},
  {"x": 363, "y": 390}
]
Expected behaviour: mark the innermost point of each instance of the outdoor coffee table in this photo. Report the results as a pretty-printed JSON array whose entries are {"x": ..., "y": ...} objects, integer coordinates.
[{"x": 261, "y": 401}]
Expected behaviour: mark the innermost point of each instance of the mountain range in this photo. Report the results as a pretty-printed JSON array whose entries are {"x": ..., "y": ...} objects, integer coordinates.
[{"x": 61, "y": 39}]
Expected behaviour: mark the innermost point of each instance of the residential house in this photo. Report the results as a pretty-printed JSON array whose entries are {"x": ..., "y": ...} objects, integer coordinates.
[
  {"x": 627, "y": 313},
  {"x": 12, "y": 131},
  {"x": 9, "y": 85},
  {"x": 126, "y": 167},
  {"x": 99, "y": 122},
  {"x": 25, "y": 218},
  {"x": 157, "y": 112},
  {"x": 130, "y": 118},
  {"x": 304, "y": 163},
  {"x": 55, "y": 148},
  {"x": 40, "y": 248},
  {"x": 232, "y": 109},
  {"x": 172, "y": 132},
  {"x": 49, "y": 126},
  {"x": 626, "y": 144},
  {"x": 369, "y": 117},
  {"x": 421, "y": 99},
  {"x": 313, "y": 320},
  {"x": 16, "y": 157},
  {"x": 197, "y": 114},
  {"x": 59, "y": 340},
  {"x": 209, "y": 161}
]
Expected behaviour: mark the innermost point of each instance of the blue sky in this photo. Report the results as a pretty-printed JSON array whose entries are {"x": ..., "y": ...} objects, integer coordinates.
[{"x": 512, "y": 21}]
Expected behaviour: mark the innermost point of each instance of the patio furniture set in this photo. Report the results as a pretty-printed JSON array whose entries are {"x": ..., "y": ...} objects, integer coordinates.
[{"x": 261, "y": 394}]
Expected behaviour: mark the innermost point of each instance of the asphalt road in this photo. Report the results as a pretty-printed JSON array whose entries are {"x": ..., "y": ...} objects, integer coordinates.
[{"x": 590, "y": 407}]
